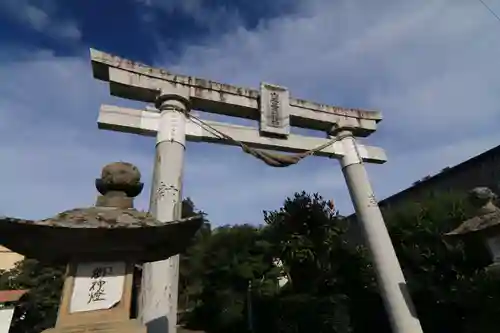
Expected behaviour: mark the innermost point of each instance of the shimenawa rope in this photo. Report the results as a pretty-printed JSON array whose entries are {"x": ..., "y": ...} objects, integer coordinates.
[{"x": 273, "y": 159}]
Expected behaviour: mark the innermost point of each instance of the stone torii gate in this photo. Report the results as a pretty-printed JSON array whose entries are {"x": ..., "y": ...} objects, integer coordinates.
[{"x": 172, "y": 124}]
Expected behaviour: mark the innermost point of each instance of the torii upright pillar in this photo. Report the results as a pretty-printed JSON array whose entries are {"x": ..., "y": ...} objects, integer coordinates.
[
  {"x": 276, "y": 111},
  {"x": 160, "y": 280}
]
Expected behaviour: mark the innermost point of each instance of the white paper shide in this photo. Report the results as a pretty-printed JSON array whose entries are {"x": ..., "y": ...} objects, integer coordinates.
[
  {"x": 5, "y": 319},
  {"x": 97, "y": 286}
]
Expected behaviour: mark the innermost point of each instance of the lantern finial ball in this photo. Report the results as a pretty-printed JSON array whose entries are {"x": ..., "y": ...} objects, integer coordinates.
[
  {"x": 120, "y": 173},
  {"x": 120, "y": 177},
  {"x": 480, "y": 196}
]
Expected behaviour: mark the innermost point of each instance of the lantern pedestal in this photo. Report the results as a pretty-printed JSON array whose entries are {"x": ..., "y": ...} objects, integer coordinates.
[
  {"x": 97, "y": 297},
  {"x": 130, "y": 326}
]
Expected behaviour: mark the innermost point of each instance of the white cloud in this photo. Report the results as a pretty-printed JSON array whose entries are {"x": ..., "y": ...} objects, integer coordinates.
[
  {"x": 42, "y": 17},
  {"x": 52, "y": 151},
  {"x": 208, "y": 17},
  {"x": 37, "y": 18},
  {"x": 430, "y": 68}
]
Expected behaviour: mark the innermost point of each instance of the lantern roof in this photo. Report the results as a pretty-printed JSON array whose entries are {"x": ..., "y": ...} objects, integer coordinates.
[{"x": 111, "y": 230}]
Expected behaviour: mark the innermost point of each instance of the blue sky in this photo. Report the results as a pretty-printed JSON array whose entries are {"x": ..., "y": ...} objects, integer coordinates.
[{"x": 430, "y": 67}]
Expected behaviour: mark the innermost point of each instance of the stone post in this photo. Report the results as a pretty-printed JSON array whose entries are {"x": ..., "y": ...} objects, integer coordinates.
[
  {"x": 160, "y": 282},
  {"x": 97, "y": 294},
  {"x": 101, "y": 245},
  {"x": 391, "y": 281}
]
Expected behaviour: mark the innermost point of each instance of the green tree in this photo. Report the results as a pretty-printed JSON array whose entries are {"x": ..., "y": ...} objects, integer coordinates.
[
  {"x": 446, "y": 278},
  {"x": 191, "y": 267},
  {"x": 227, "y": 261},
  {"x": 327, "y": 278},
  {"x": 36, "y": 310},
  {"x": 331, "y": 285},
  {"x": 307, "y": 236}
]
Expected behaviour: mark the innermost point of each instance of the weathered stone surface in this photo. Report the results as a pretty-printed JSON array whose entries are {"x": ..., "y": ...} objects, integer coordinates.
[
  {"x": 121, "y": 173},
  {"x": 488, "y": 215},
  {"x": 112, "y": 230},
  {"x": 97, "y": 237},
  {"x": 99, "y": 217},
  {"x": 101, "y": 245},
  {"x": 214, "y": 97},
  {"x": 479, "y": 197},
  {"x": 130, "y": 326},
  {"x": 478, "y": 223},
  {"x": 119, "y": 179}
]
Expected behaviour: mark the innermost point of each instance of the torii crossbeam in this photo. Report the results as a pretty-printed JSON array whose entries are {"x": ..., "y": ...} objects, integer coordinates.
[
  {"x": 147, "y": 123},
  {"x": 172, "y": 123}
]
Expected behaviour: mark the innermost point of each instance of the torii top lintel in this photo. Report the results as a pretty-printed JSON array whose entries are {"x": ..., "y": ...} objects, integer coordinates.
[{"x": 136, "y": 81}]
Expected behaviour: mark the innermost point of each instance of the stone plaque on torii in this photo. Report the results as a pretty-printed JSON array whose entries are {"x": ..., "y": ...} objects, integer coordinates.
[{"x": 172, "y": 123}]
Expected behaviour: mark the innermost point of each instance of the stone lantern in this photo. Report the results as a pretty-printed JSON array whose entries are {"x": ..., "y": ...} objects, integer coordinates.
[
  {"x": 101, "y": 246},
  {"x": 485, "y": 225}
]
